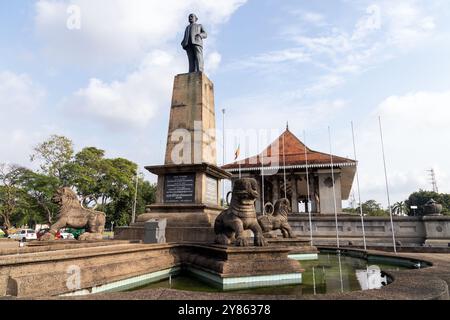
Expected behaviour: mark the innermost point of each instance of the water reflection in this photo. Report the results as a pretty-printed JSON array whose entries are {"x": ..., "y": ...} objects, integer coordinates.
[{"x": 371, "y": 278}]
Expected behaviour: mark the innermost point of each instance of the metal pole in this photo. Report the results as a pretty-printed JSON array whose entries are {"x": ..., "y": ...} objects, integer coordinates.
[
  {"x": 334, "y": 188},
  {"x": 314, "y": 281},
  {"x": 359, "y": 190},
  {"x": 340, "y": 273},
  {"x": 240, "y": 176},
  {"x": 284, "y": 170},
  {"x": 387, "y": 186},
  {"x": 262, "y": 185},
  {"x": 133, "y": 218},
  {"x": 308, "y": 191},
  {"x": 223, "y": 155}
]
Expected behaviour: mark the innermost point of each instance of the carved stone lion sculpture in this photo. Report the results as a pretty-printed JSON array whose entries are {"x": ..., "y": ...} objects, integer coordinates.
[
  {"x": 73, "y": 215},
  {"x": 278, "y": 220},
  {"x": 241, "y": 215}
]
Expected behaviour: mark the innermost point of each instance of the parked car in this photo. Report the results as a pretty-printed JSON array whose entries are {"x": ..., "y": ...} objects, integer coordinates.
[
  {"x": 63, "y": 234},
  {"x": 25, "y": 234},
  {"x": 75, "y": 232}
]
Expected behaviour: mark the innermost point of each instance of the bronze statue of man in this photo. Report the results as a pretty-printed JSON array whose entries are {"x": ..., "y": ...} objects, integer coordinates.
[{"x": 193, "y": 44}]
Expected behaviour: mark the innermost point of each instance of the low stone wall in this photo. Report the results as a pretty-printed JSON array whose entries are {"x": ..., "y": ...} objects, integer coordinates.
[
  {"x": 418, "y": 231},
  {"x": 73, "y": 268},
  {"x": 54, "y": 272},
  {"x": 409, "y": 231}
]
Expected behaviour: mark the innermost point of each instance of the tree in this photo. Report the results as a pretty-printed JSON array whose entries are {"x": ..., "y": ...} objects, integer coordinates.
[
  {"x": 146, "y": 195},
  {"x": 86, "y": 171},
  {"x": 421, "y": 197},
  {"x": 54, "y": 153},
  {"x": 9, "y": 192},
  {"x": 26, "y": 196},
  {"x": 41, "y": 189},
  {"x": 372, "y": 208},
  {"x": 111, "y": 182},
  {"x": 400, "y": 208}
]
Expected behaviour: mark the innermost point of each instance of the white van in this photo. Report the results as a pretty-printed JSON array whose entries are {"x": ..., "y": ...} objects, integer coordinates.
[{"x": 26, "y": 234}]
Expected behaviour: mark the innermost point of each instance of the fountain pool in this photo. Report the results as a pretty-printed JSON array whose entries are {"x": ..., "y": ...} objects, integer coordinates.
[{"x": 331, "y": 273}]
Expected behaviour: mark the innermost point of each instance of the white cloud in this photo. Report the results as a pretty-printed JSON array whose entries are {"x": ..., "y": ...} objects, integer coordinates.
[
  {"x": 244, "y": 110},
  {"x": 369, "y": 23},
  {"x": 133, "y": 101},
  {"x": 212, "y": 61},
  {"x": 416, "y": 135},
  {"x": 18, "y": 94},
  {"x": 384, "y": 29},
  {"x": 21, "y": 102},
  {"x": 407, "y": 22},
  {"x": 121, "y": 30}
]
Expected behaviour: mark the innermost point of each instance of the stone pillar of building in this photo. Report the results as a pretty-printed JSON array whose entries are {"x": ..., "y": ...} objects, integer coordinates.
[
  {"x": 312, "y": 196},
  {"x": 326, "y": 191},
  {"x": 275, "y": 189},
  {"x": 294, "y": 198},
  {"x": 258, "y": 202}
]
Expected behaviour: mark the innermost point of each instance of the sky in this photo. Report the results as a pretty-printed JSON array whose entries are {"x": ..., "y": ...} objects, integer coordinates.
[{"x": 101, "y": 73}]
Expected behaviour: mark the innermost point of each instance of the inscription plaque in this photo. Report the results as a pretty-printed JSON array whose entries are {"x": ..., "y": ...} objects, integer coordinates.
[
  {"x": 179, "y": 188},
  {"x": 211, "y": 191}
]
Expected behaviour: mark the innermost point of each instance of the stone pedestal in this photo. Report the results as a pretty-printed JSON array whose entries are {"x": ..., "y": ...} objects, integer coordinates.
[
  {"x": 437, "y": 229},
  {"x": 188, "y": 190},
  {"x": 155, "y": 231},
  {"x": 231, "y": 268}
]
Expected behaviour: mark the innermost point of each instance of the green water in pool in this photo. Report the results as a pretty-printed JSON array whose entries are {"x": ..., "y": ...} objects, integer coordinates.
[{"x": 331, "y": 273}]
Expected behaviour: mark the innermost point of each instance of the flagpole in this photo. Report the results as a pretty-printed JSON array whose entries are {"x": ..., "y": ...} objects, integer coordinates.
[
  {"x": 262, "y": 185},
  {"x": 284, "y": 166},
  {"x": 236, "y": 156},
  {"x": 133, "y": 217},
  {"x": 387, "y": 187},
  {"x": 359, "y": 189},
  {"x": 334, "y": 188},
  {"x": 223, "y": 156},
  {"x": 240, "y": 176},
  {"x": 307, "y": 189}
]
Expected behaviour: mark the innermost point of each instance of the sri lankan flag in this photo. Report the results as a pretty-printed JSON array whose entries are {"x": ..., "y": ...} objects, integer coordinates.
[{"x": 237, "y": 153}]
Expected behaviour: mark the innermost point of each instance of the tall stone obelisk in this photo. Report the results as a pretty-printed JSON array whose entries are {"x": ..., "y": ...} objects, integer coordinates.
[{"x": 188, "y": 190}]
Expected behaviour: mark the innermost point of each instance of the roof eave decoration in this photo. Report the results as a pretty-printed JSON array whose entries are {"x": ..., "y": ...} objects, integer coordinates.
[{"x": 302, "y": 166}]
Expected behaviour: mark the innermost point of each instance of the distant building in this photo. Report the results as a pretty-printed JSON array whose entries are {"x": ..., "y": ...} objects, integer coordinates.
[{"x": 286, "y": 157}]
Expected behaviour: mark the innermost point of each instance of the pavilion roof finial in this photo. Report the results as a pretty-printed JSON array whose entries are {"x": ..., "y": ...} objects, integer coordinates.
[{"x": 287, "y": 125}]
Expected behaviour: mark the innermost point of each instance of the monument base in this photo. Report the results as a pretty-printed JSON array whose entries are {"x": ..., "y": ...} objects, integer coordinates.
[
  {"x": 185, "y": 223},
  {"x": 198, "y": 234},
  {"x": 188, "y": 198},
  {"x": 232, "y": 268}
]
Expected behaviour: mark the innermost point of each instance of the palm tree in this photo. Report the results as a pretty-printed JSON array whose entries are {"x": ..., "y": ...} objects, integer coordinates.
[{"x": 400, "y": 208}]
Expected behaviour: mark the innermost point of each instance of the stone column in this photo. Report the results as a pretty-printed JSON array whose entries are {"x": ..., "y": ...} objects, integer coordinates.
[
  {"x": 294, "y": 203},
  {"x": 191, "y": 136},
  {"x": 326, "y": 191},
  {"x": 275, "y": 189},
  {"x": 259, "y": 199},
  {"x": 312, "y": 196}
]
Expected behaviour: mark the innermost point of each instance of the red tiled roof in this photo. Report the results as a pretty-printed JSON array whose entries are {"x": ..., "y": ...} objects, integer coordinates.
[{"x": 293, "y": 155}]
